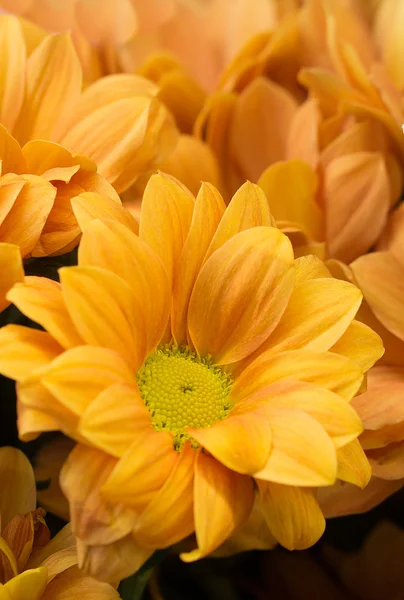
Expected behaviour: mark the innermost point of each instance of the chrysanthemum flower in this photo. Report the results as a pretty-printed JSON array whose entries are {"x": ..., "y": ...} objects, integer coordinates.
[
  {"x": 117, "y": 122},
  {"x": 32, "y": 566},
  {"x": 196, "y": 365}
]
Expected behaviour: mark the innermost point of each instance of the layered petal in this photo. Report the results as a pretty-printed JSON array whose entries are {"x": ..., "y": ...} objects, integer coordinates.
[
  {"x": 12, "y": 270},
  {"x": 90, "y": 205},
  {"x": 13, "y": 62},
  {"x": 353, "y": 466},
  {"x": 361, "y": 344},
  {"x": 74, "y": 584},
  {"x": 17, "y": 482}
]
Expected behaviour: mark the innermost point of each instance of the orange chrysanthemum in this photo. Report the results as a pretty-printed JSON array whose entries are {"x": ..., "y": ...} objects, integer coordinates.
[{"x": 197, "y": 365}]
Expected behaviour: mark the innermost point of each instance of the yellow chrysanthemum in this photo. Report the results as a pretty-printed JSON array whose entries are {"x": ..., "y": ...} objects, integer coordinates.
[
  {"x": 31, "y": 566},
  {"x": 198, "y": 366}
]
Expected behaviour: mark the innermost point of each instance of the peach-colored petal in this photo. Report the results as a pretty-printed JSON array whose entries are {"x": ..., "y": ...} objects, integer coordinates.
[
  {"x": 41, "y": 300},
  {"x": 104, "y": 311},
  {"x": 302, "y": 452},
  {"x": 392, "y": 238},
  {"x": 23, "y": 350},
  {"x": 361, "y": 344},
  {"x": 168, "y": 518},
  {"x": 208, "y": 211},
  {"x": 241, "y": 293},
  {"x": 78, "y": 375},
  {"x": 13, "y": 62},
  {"x": 12, "y": 270},
  {"x": 143, "y": 469},
  {"x": 90, "y": 205},
  {"x": 17, "y": 482},
  {"x": 386, "y": 300},
  {"x": 292, "y": 514},
  {"x": 93, "y": 520},
  {"x": 112, "y": 246},
  {"x": 302, "y": 141},
  {"x": 353, "y": 466},
  {"x": 222, "y": 501},
  {"x": 388, "y": 462}
]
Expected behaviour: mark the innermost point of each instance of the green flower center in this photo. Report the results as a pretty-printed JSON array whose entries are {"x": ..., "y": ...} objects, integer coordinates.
[{"x": 182, "y": 390}]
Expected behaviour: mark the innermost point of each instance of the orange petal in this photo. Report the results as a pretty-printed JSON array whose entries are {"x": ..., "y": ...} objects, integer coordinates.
[
  {"x": 112, "y": 246},
  {"x": 93, "y": 520},
  {"x": 386, "y": 301},
  {"x": 12, "y": 270},
  {"x": 53, "y": 86},
  {"x": 310, "y": 267},
  {"x": 11, "y": 155},
  {"x": 23, "y": 350},
  {"x": 222, "y": 501},
  {"x": 241, "y": 293},
  {"x": 209, "y": 209},
  {"x": 302, "y": 141},
  {"x": 356, "y": 192},
  {"x": 302, "y": 452},
  {"x": 78, "y": 375},
  {"x": 165, "y": 220},
  {"x": 17, "y": 482},
  {"x": 13, "y": 63},
  {"x": 318, "y": 313},
  {"x": 361, "y": 344},
  {"x": 324, "y": 369},
  {"x": 104, "y": 311},
  {"x": 168, "y": 518},
  {"x": 292, "y": 514},
  {"x": 353, "y": 466},
  {"x": 388, "y": 462},
  {"x": 41, "y": 300},
  {"x": 392, "y": 238},
  {"x": 143, "y": 469},
  {"x": 90, "y": 205},
  {"x": 32, "y": 422},
  {"x": 73, "y": 583},
  {"x": 114, "y": 418}
]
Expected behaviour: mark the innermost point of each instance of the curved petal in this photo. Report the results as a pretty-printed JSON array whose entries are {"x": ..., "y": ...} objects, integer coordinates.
[
  {"x": 104, "y": 311},
  {"x": 75, "y": 584},
  {"x": 292, "y": 514},
  {"x": 17, "y": 482},
  {"x": 41, "y": 300},
  {"x": 12, "y": 270},
  {"x": 13, "y": 62},
  {"x": 310, "y": 267},
  {"x": 388, "y": 462},
  {"x": 353, "y": 466},
  {"x": 90, "y": 205},
  {"x": 222, "y": 501},
  {"x": 11, "y": 154},
  {"x": 93, "y": 520},
  {"x": 361, "y": 344},
  {"x": 241, "y": 293},
  {"x": 31, "y": 583}
]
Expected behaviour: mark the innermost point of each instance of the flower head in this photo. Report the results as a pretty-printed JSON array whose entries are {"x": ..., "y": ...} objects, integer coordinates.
[{"x": 195, "y": 365}]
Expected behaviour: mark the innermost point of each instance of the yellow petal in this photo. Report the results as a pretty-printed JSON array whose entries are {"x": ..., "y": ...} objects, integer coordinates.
[
  {"x": 222, "y": 501},
  {"x": 29, "y": 584},
  {"x": 143, "y": 469},
  {"x": 209, "y": 209},
  {"x": 353, "y": 466},
  {"x": 361, "y": 344},
  {"x": 114, "y": 418},
  {"x": 93, "y": 520},
  {"x": 78, "y": 375},
  {"x": 318, "y": 313},
  {"x": 325, "y": 369},
  {"x": 13, "y": 62},
  {"x": 89, "y": 206},
  {"x": 17, "y": 482},
  {"x": 165, "y": 220},
  {"x": 41, "y": 300},
  {"x": 292, "y": 514},
  {"x": 241, "y": 293},
  {"x": 12, "y": 270},
  {"x": 248, "y": 208},
  {"x": 53, "y": 86},
  {"x": 12, "y": 158},
  {"x": 112, "y": 246},
  {"x": 23, "y": 350},
  {"x": 168, "y": 518},
  {"x": 104, "y": 311},
  {"x": 74, "y": 584},
  {"x": 32, "y": 422},
  {"x": 54, "y": 162},
  {"x": 302, "y": 452},
  {"x": 386, "y": 301},
  {"x": 291, "y": 191}
]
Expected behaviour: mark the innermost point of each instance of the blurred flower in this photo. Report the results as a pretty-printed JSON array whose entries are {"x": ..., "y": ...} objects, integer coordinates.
[
  {"x": 31, "y": 566},
  {"x": 207, "y": 309}
]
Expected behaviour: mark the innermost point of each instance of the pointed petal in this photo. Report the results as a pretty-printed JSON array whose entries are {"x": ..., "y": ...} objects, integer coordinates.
[
  {"x": 353, "y": 466},
  {"x": 41, "y": 300},
  {"x": 169, "y": 518},
  {"x": 302, "y": 452},
  {"x": 112, "y": 246},
  {"x": 222, "y": 501},
  {"x": 318, "y": 313},
  {"x": 310, "y": 267},
  {"x": 13, "y": 63},
  {"x": 78, "y": 375},
  {"x": 93, "y": 520},
  {"x": 12, "y": 158},
  {"x": 53, "y": 86},
  {"x": 208, "y": 211},
  {"x": 12, "y": 270},
  {"x": 241, "y": 293},
  {"x": 143, "y": 469},
  {"x": 292, "y": 514},
  {"x": 89, "y": 206},
  {"x": 165, "y": 220},
  {"x": 104, "y": 311},
  {"x": 325, "y": 369},
  {"x": 361, "y": 344},
  {"x": 113, "y": 420},
  {"x": 23, "y": 350}
]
